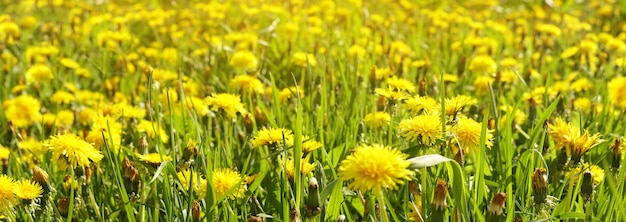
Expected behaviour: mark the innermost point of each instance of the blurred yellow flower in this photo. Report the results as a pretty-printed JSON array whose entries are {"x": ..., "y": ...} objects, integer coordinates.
[
  {"x": 617, "y": 91},
  {"x": 8, "y": 199},
  {"x": 38, "y": 73},
  {"x": 271, "y": 137},
  {"x": 304, "y": 59},
  {"x": 483, "y": 64},
  {"x": 244, "y": 60},
  {"x": 247, "y": 83},
  {"x": 229, "y": 103},
  {"x": 22, "y": 111},
  {"x": 466, "y": 132},
  {"x": 152, "y": 129},
  {"x": 377, "y": 119}
]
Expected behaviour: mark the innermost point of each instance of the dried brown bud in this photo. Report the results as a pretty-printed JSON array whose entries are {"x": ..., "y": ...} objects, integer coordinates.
[
  {"x": 63, "y": 204},
  {"x": 497, "y": 204},
  {"x": 540, "y": 186},
  {"x": 439, "y": 199},
  {"x": 195, "y": 210}
]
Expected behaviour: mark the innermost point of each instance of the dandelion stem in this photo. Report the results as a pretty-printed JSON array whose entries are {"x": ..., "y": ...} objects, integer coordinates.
[{"x": 383, "y": 208}]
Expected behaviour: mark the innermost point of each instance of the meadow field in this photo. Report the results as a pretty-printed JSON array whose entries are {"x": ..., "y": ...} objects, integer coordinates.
[{"x": 300, "y": 110}]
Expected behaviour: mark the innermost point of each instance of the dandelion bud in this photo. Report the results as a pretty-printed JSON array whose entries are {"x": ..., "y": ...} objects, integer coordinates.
[
  {"x": 254, "y": 219},
  {"x": 496, "y": 207},
  {"x": 41, "y": 177},
  {"x": 191, "y": 150},
  {"x": 413, "y": 188},
  {"x": 439, "y": 201},
  {"x": 540, "y": 186},
  {"x": 63, "y": 204},
  {"x": 617, "y": 153},
  {"x": 561, "y": 160},
  {"x": 312, "y": 207},
  {"x": 459, "y": 157},
  {"x": 341, "y": 218},
  {"x": 422, "y": 87},
  {"x": 131, "y": 177},
  {"x": 586, "y": 188},
  {"x": 195, "y": 210},
  {"x": 143, "y": 143}
]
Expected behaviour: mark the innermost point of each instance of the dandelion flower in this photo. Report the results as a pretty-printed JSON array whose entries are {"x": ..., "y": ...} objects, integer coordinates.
[
  {"x": 457, "y": 103},
  {"x": 151, "y": 129},
  {"x": 71, "y": 150},
  {"x": 305, "y": 167},
  {"x": 62, "y": 97},
  {"x": 244, "y": 60},
  {"x": 226, "y": 179},
  {"x": 391, "y": 94},
  {"x": 38, "y": 73},
  {"x": 198, "y": 184},
  {"x": 375, "y": 167},
  {"x": 7, "y": 193},
  {"x": 229, "y": 103},
  {"x": 247, "y": 83},
  {"x": 271, "y": 137},
  {"x": 28, "y": 190},
  {"x": 617, "y": 92},
  {"x": 426, "y": 129},
  {"x": 422, "y": 104},
  {"x": 288, "y": 93},
  {"x": 483, "y": 64},
  {"x": 22, "y": 111},
  {"x": 154, "y": 159},
  {"x": 105, "y": 130},
  {"x": 308, "y": 144},
  {"x": 467, "y": 133},
  {"x": 401, "y": 84},
  {"x": 377, "y": 119},
  {"x": 596, "y": 171},
  {"x": 304, "y": 59}
]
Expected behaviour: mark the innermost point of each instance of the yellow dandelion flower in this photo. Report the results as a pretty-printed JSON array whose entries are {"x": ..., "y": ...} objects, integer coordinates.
[
  {"x": 483, "y": 64},
  {"x": 391, "y": 94},
  {"x": 271, "y": 137},
  {"x": 588, "y": 46},
  {"x": 288, "y": 93},
  {"x": 198, "y": 184},
  {"x": 401, "y": 84},
  {"x": 229, "y": 103},
  {"x": 244, "y": 60},
  {"x": 304, "y": 59},
  {"x": 69, "y": 63},
  {"x": 580, "y": 85},
  {"x": 64, "y": 118},
  {"x": 305, "y": 167},
  {"x": 226, "y": 179},
  {"x": 419, "y": 104},
  {"x": 467, "y": 134},
  {"x": 457, "y": 103},
  {"x": 28, "y": 190},
  {"x": 563, "y": 133},
  {"x": 575, "y": 173},
  {"x": 8, "y": 199},
  {"x": 308, "y": 144},
  {"x": 247, "y": 83},
  {"x": 617, "y": 91},
  {"x": 152, "y": 129},
  {"x": 127, "y": 111},
  {"x": 582, "y": 144},
  {"x": 382, "y": 73},
  {"x": 425, "y": 129},
  {"x": 105, "y": 129},
  {"x": 71, "y": 150},
  {"x": 377, "y": 119},
  {"x": 356, "y": 51},
  {"x": 569, "y": 52},
  {"x": 375, "y": 167},
  {"x": 583, "y": 104},
  {"x": 38, "y": 73},
  {"x": 508, "y": 76},
  {"x": 62, "y": 97},
  {"x": 154, "y": 159},
  {"x": 22, "y": 111}
]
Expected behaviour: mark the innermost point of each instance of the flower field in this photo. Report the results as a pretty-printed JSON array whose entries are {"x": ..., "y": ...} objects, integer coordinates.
[{"x": 158, "y": 110}]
